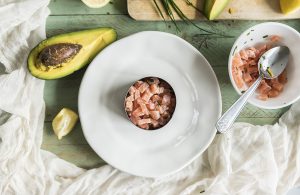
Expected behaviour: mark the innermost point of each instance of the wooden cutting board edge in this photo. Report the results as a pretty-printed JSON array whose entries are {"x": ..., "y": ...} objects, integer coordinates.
[{"x": 144, "y": 10}]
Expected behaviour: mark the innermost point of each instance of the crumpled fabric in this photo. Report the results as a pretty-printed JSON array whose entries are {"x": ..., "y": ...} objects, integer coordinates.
[{"x": 249, "y": 159}]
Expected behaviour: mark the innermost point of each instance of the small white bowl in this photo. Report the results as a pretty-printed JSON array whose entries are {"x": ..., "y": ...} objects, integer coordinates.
[{"x": 290, "y": 38}]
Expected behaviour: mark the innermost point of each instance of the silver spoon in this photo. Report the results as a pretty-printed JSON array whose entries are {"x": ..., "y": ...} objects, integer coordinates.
[{"x": 270, "y": 65}]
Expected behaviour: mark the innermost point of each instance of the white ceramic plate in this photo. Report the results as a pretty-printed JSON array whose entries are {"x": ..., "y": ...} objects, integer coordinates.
[{"x": 105, "y": 125}]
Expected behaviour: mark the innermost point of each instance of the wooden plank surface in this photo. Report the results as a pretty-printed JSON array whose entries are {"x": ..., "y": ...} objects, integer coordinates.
[
  {"x": 71, "y": 15},
  {"x": 240, "y": 10},
  {"x": 77, "y": 7}
]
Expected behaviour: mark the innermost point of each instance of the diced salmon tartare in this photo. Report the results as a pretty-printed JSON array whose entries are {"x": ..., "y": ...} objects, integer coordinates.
[
  {"x": 150, "y": 103},
  {"x": 245, "y": 71}
]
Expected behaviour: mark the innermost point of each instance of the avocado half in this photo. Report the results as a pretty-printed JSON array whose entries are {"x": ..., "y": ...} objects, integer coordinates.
[
  {"x": 63, "y": 54},
  {"x": 213, "y": 8}
]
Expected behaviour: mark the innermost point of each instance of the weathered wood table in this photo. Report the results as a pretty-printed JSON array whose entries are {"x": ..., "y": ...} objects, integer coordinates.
[{"x": 73, "y": 15}]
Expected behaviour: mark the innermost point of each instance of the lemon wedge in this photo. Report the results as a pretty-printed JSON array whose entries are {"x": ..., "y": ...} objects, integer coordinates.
[
  {"x": 288, "y": 6},
  {"x": 64, "y": 122},
  {"x": 95, "y": 3}
]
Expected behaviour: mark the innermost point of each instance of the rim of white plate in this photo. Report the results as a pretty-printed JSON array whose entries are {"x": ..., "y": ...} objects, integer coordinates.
[{"x": 219, "y": 99}]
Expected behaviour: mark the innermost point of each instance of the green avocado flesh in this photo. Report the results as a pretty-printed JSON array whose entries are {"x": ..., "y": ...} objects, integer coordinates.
[
  {"x": 213, "y": 8},
  {"x": 63, "y": 54}
]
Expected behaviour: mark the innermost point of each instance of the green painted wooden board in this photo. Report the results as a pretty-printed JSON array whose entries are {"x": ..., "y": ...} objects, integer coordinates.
[{"x": 72, "y": 15}]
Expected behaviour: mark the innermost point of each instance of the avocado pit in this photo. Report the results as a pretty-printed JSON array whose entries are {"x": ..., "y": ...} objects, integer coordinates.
[{"x": 55, "y": 55}]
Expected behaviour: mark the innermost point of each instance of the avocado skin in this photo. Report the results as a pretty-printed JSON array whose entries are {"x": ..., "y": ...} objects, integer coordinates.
[
  {"x": 91, "y": 40},
  {"x": 213, "y": 8}
]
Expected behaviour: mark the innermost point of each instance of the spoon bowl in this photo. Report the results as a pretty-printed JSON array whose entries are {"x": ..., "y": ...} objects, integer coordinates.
[{"x": 272, "y": 63}]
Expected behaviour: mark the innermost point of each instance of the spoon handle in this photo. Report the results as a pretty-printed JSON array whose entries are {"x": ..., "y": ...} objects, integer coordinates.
[{"x": 227, "y": 119}]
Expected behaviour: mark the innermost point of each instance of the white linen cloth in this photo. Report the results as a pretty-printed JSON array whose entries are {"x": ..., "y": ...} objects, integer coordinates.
[{"x": 248, "y": 160}]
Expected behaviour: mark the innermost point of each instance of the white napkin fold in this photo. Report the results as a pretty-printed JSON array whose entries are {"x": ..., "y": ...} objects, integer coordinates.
[{"x": 248, "y": 160}]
